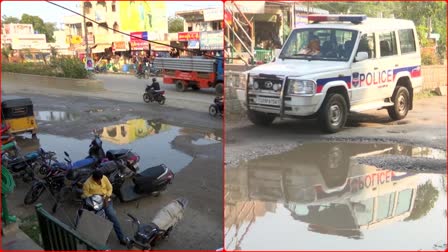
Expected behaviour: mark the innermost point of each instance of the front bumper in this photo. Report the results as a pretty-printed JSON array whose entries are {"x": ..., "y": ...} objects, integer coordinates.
[{"x": 288, "y": 105}]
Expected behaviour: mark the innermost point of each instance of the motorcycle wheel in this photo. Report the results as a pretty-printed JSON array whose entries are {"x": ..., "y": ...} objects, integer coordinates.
[
  {"x": 146, "y": 98},
  {"x": 34, "y": 193},
  {"x": 161, "y": 100},
  {"x": 212, "y": 110}
]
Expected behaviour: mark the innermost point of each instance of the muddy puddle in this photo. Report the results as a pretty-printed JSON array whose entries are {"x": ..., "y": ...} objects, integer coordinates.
[
  {"x": 54, "y": 116},
  {"x": 150, "y": 139},
  {"x": 317, "y": 197}
]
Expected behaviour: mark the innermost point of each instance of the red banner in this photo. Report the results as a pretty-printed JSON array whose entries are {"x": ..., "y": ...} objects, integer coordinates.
[{"x": 188, "y": 36}]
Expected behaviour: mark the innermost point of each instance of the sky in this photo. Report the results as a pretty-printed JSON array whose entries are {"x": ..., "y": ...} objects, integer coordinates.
[{"x": 51, "y": 13}]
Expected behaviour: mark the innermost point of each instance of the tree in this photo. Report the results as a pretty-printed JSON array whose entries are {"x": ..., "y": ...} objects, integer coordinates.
[
  {"x": 175, "y": 24},
  {"x": 425, "y": 199},
  {"x": 39, "y": 26},
  {"x": 10, "y": 20}
]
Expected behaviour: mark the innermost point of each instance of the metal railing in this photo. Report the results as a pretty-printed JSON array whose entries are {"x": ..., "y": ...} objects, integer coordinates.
[{"x": 59, "y": 236}]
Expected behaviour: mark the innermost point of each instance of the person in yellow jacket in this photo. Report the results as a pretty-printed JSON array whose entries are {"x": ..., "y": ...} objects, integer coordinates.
[{"x": 98, "y": 184}]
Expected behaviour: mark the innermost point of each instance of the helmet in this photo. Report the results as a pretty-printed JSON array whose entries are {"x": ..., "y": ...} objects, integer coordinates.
[{"x": 154, "y": 79}]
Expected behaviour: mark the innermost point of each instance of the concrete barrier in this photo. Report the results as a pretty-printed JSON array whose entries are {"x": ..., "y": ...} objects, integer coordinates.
[{"x": 52, "y": 82}]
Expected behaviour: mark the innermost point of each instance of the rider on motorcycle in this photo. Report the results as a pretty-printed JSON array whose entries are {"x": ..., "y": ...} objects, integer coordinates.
[
  {"x": 155, "y": 86},
  {"x": 97, "y": 184}
]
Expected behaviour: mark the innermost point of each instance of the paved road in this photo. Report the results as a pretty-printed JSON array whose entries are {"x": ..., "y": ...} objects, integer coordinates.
[{"x": 131, "y": 84}]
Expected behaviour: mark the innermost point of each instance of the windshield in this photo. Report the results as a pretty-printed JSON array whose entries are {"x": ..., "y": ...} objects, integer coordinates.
[{"x": 320, "y": 44}]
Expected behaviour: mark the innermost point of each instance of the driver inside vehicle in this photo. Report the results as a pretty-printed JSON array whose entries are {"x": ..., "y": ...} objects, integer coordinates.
[
  {"x": 98, "y": 184},
  {"x": 313, "y": 47}
]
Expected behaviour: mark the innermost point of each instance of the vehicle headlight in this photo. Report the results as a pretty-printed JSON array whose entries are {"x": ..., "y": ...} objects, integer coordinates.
[
  {"x": 251, "y": 83},
  {"x": 301, "y": 87}
]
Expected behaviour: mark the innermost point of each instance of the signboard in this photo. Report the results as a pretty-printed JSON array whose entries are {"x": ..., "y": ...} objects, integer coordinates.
[
  {"x": 156, "y": 47},
  {"x": 193, "y": 44},
  {"x": 188, "y": 36},
  {"x": 120, "y": 46},
  {"x": 89, "y": 64},
  {"x": 213, "y": 14},
  {"x": 212, "y": 40},
  {"x": 37, "y": 41},
  {"x": 157, "y": 36},
  {"x": 21, "y": 29},
  {"x": 137, "y": 43}
]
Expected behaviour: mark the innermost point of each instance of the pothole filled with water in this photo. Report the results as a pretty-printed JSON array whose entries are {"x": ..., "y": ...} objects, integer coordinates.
[
  {"x": 149, "y": 139},
  {"x": 52, "y": 116},
  {"x": 319, "y": 197}
]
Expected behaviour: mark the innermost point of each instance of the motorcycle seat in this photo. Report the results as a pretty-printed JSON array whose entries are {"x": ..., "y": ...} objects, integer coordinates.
[
  {"x": 158, "y": 91},
  {"x": 151, "y": 173},
  {"x": 84, "y": 163},
  {"x": 116, "y": 154}
]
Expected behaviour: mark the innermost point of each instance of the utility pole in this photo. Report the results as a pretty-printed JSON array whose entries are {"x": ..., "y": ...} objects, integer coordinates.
[{"x": 85, "y": 29}]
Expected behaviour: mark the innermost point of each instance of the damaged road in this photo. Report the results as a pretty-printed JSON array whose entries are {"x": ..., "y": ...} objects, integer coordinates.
[
  {"x": 188, "y": 142},
  {"x": 352, "y": 190}
]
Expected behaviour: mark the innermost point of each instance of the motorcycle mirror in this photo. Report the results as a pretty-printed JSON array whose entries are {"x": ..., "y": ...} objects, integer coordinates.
[
  {"x": 68, "y": 161},
  {"x": 66, "y": 154}
]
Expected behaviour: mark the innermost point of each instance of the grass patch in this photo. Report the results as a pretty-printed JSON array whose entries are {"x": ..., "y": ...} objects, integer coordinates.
[
  {"x": 30, "y": 227},
  {"x": 425, "y": 94},
  {"x": 60, "y": 67}
]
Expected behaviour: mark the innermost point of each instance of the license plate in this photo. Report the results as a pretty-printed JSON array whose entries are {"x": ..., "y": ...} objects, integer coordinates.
[{"x": 267, "y": 101}]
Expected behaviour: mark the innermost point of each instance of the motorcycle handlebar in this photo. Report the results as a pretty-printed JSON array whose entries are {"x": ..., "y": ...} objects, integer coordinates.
[{"x": 133, "y": 218}]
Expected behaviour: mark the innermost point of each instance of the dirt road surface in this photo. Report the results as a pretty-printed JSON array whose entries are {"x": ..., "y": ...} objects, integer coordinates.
[{"x": 189, "y": 142}]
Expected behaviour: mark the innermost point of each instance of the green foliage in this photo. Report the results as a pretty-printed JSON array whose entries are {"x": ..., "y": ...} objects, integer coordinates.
[
  {"x": 39, "y": 26},
  {"x": 59, "y": 67},
  {"x": 175, "y": 24},
  {"x": 10, "y": 20},
  {"x": 425, "y": 199}
]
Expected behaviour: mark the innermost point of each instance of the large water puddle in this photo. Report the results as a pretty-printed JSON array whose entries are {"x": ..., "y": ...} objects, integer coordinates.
[
  {"x": 150, "y": 139},
  {"x": 52, "y": 116},
  {"x": 317, "y": 197}
]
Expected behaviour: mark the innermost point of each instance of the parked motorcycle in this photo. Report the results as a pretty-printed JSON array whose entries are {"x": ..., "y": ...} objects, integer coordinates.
[
  {"x": 217, "y": 108},
  {"x": 28, "y": 165},
  {"x": 151, "y": 95},
  {"x": 147, "y": 235},
  {"x": 152, "y": 181}
]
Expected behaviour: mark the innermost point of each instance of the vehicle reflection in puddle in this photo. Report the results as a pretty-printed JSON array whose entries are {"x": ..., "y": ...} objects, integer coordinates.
[
  {"x": 52, "y": 116},
  {"x": 209, "y": 138},
  {"x": 150, "y": 139},
  {"x": 317, "y": 197}
]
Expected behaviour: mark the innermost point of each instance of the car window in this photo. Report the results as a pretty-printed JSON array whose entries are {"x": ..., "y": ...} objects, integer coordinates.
[
  {"x": 407, "y": 40},
  {"x": 388, "y": 44},
  {"x": 364, "y": 211},
  {"x": 404, "y": 201},
  {"x": 367, "y": 44},
  {"x": 385, "y": 206},
  {"x": 320, "y": 44}
]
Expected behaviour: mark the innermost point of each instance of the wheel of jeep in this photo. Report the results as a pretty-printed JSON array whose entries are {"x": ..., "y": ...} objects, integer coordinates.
[
  {"x": 219, "y": 89},
  {"x": 260, "y": 118},
  {"x": 333, "y": 113},
  {"x": 401, "y": 104},
  {"x": 180, "y": 87}
]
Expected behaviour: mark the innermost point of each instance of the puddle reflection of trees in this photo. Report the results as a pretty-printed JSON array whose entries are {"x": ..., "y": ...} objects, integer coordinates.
[{"x": 328, "y": 200}]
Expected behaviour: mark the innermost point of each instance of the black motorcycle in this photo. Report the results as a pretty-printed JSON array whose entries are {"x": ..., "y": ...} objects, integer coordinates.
[
  {"x": 217, "y": 108},
  {"x": 152, "y": 95},
  {"x": 28, "y": 165}
]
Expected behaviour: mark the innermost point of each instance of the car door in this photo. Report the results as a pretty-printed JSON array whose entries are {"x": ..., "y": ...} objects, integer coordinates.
[
  {"x": 362, "y": 91},
  {"x": 389, "y": 60}
]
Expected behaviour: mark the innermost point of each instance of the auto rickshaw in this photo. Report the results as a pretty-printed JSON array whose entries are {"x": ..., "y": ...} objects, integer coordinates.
[{"x": 18, "y": 114}]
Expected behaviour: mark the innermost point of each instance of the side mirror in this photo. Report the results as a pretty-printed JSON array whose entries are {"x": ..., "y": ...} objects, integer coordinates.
[
  {"x": 360, "y": 56},
  {"x": 277, "y": 53},
  {"x": 66, "y": 154}
]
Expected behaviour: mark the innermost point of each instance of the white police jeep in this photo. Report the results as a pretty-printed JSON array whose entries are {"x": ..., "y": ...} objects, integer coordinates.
[{"x": 335, "y": 65}]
